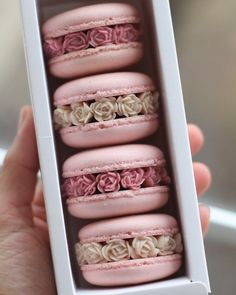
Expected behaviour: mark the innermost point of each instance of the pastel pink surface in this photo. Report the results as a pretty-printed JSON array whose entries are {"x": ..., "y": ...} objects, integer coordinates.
[
  {"x": 128, "y": 227},
  {"x": 104, "y": 85},
  {"x": 132, "y": 271},
  {"x": 88, "y": 17},
  {"x": 110, "y": 132},
  {"x": 119, "y": 203},
  {"x": 92, "y": 61},
  {"x": 113, "y": 158}
]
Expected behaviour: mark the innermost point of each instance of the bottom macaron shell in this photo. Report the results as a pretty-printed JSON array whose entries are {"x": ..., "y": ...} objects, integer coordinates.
[
  {"x": 119, "y": 203},
  {"x": 110, "y": 132},
  {"x": 100, "y": 59},
  {"x": 131, "y": 272}
]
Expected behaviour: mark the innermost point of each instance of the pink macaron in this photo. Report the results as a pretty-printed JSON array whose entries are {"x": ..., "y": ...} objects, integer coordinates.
[
  {"x": 106, "y": 109},
  {"x": 129, "y": 250},
  {"x": 93, "y": 39},
  {"x": 115, "y": 181}
]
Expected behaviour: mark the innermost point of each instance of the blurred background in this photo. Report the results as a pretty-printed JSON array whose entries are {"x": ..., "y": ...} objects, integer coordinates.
[{"x": 205, "y": 34}]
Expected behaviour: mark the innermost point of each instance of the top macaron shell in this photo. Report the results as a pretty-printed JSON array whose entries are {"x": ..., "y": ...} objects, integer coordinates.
[
  {"x": 112, "y": 159},
  {"x": 100, "y": 59},
  {"x": 117, "y": 131}
]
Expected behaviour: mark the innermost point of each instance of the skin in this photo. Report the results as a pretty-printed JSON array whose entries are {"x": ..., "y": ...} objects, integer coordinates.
[{"x": 25, "y": 259}]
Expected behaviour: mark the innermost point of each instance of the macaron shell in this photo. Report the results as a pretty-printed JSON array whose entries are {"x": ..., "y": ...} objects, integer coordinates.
[
  {"x": 96, "y": 60},
  {"x": 119, "y": 203},
  {"x": 103, "y": 85},
  {"x": 132, "y": 271},
  {"x": 103, "y": 160},
  {"x": 113, "y": 132},
  {"x": 128, "y": 227},
  {"x": 88, "y": 17}
]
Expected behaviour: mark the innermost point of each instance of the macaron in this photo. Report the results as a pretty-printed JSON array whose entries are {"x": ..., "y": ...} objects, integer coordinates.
[
  {"x": 129, "y": 250},
  {"x": 106, "y": 109},
  {"x": 93, "y": 39},
  {"x": 115, "y": 181}
]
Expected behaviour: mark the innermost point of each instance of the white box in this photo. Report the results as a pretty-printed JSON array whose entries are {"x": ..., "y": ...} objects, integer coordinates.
[{"x": 157, "y": 15}]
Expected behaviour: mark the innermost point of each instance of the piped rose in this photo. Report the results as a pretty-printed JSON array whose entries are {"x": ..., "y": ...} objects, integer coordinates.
[
  {"x": 152, "y": 176},
  {"x": 116, "y": 250},
  {"x": 125, "y": 33},
  {"x": 53, "y": 47},
  {"x": 81, "y": 113},
  {"x": 75, "y": 41},
  {"x": 166, "y": 245},
  {"x": 91, "y": 253},
  {"x": 108, "y": 182},
  {"x": 132, "y": 178},
  {"x": 149, "y": 102},
  {"x": 61, "y": 117},
  {"x": 83, "y": 185},
  {"x": 104, "y": 109},
  {"x": 143, "y": 247},
  {"x": 129, "y": 105},
  {"x": 100, "y": 36}
]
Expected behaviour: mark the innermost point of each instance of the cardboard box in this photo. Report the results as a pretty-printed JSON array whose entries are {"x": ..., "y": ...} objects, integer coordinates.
[{"x": 161, "y": 63}]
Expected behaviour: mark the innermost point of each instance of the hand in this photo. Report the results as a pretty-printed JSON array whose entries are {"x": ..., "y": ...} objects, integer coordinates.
[{"x": 25, "y": 259}]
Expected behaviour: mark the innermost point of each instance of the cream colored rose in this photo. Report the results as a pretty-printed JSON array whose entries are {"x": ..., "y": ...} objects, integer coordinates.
[
  {"x": 104, "y": 109},
  {"x": 179, "y": 245},
  {"x": 116, "y": 250},
  {"x": 143, "y": 247},
  {"x": 129, "y": 105},
  {"x": 166, "y": 245},
  {"x": 149, "y": 102},
  {"x": 81, "y": 113},
  {"x": 90, "y": 253},
  {"x": 61, "y": 117},
  {"x": 79, "y": 254}
]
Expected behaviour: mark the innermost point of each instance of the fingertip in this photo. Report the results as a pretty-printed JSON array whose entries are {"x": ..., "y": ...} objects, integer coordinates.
[
  {"x": 203, "y": 177},
  {"x": 205, "y": 213},
  {"x": 196, "y": 138}
]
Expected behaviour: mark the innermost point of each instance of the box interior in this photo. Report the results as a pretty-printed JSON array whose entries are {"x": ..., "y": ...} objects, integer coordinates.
[{"x": 49, "y": 8}]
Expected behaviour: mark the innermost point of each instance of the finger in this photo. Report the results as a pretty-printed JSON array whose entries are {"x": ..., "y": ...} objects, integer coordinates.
[
  {"x": 202, "y": 177},
  {"x": 38, "y": 199},
  {"x": 19, "y": 174},
  {"x": 205, "y": 218},
  {"x": 196, "y": 138}
]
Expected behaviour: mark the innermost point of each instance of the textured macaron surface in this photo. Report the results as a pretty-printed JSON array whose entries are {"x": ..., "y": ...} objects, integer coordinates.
[
  {"x": 90, "y": 27},
  {"x": 89, "y": 17},
  {"x": 128, "y": 227},
  {"x": 112, "y": 159}
]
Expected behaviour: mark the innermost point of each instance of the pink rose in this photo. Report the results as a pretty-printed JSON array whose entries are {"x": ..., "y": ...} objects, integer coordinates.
[
  {"x": 53, "y": 47},
  {"x": 132, "y": 178},
  {"x": 152, "y": 176},
  {"x": 108, "y": 182},
  {"x": 85, "y": 185},
  {"x": 165, "y": 179},
  {"x": 100, "y": 36},
  {"x": 155, "y": 175},
  {"x": 68, "y": 189},
  {"x": 79, "y": 186},
  {"x": 125, "y": 33},
  {"x": 75, "y": 41}
]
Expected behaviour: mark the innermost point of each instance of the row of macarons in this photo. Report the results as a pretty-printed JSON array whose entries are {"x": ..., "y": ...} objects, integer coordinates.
[{"x": 113, "y": 182}]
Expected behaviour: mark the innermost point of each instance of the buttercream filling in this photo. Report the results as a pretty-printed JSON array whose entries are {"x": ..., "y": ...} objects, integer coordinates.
[
  {"x": 106, "y": 109},
  {"x": 114, "y": 181},
  {"x": 134, "y": 248},
  {"x": 92, "y": 38}
]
